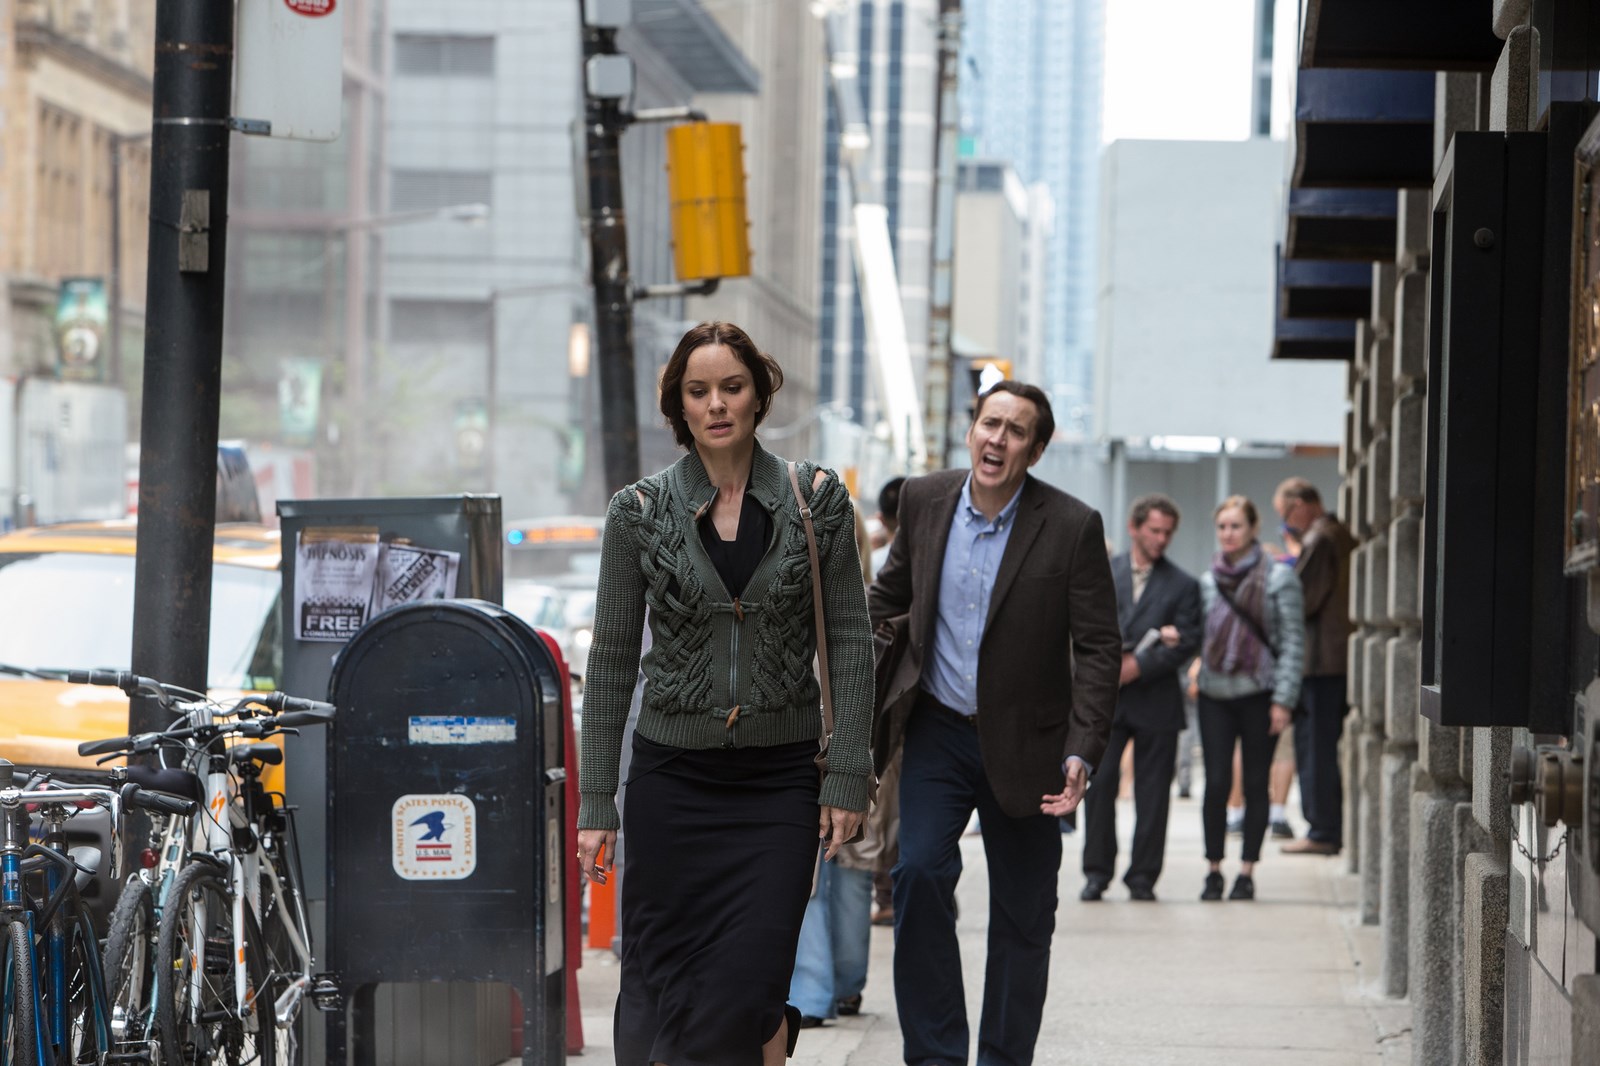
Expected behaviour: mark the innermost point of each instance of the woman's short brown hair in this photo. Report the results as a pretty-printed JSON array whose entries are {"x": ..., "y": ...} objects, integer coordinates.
[
  {"x": 1244, "y": 507},
  {"x": 765, "y": 373}
]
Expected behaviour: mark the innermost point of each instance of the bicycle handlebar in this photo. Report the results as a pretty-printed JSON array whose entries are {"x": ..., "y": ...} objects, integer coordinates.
[
  {"x": 103, "y": 747},
  {"x": 160, "y": 802},
  {"x": 281, "y": 701},
  {"x": 318, "y": 714},
  {"x": 132, "y": 684},
  {"x": 314, "y": 712},
  {"x": 111, "y": 679},
  {"x": 58, "y": 797}
]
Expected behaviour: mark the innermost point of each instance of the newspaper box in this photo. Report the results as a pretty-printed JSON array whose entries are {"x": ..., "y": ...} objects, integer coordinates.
[{"x": 445, "y": 789}]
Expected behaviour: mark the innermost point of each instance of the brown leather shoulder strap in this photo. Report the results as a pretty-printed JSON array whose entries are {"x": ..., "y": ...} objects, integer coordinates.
[{"x": 816, "y": 603}]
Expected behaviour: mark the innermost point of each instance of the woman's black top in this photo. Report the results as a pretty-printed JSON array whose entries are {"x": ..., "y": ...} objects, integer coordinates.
[{"x": 736, "y": 560}]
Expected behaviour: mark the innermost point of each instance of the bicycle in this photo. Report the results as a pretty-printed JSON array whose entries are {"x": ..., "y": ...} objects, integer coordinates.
[
  {"x": 225, "y": 893},
  {"x": 55, "y": 1008}
]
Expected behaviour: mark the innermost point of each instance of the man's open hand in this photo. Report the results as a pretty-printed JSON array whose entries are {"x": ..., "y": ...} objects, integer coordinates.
[{"x": 1072, "y": 794}]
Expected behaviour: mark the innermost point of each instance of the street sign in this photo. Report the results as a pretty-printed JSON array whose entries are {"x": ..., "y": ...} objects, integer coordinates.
[
  {"x": 81, "y": 316},
  {"x": 288, "y": 73}
]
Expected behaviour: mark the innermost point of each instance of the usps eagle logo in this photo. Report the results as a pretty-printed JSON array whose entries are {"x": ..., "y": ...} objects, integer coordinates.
[{"x": 434, "y": 837}]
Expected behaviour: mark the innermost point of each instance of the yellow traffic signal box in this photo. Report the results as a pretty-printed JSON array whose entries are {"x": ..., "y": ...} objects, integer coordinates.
[{"x": 705, "y": 183}]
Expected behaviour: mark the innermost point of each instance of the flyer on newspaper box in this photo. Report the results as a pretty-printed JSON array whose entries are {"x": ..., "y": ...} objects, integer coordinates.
[
  {"x": 334, "y": 571},
  {"x": 407, "y": 573}
]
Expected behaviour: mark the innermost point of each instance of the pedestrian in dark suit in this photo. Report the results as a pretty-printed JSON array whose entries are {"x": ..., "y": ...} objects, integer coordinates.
[
  {"x": 1158, "y": 606},
  {"x": 1003, "y": 577}
]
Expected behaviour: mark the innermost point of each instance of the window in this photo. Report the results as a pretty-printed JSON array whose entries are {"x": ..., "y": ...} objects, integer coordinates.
[
  {"x": 423, "y": 190},
  {"x": 440, "y": 322},
  {"x": 422, "y": 56}
]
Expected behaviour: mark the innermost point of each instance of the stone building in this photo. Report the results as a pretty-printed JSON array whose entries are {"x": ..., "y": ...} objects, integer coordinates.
[
  {"x": 783, "y": 122},
  {"x": 1437, "y": 239},
  {"x": 75, "y": 81}
]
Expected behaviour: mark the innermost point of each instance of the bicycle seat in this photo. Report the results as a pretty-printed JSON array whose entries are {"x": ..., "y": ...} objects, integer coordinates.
[
  {"x": 263, "y": 753},
  {"x": 168, "y": 779}
]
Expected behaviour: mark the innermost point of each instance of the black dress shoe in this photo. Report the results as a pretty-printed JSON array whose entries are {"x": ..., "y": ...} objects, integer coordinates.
[
  {"x": 807, "y": 1021},
  {"x": 849, "y": 1006},
  {"x": 1244, "y": 887},
  {"x": 797, "y": 1022},
  {"x": 1093, "y": 891},
  {"x": 1143, "y": 893},
  {"x": 1213, "y": 889}
]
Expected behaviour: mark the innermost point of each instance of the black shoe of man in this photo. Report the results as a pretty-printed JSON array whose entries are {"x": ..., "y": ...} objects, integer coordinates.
[{"x": 1094, "y": 890}]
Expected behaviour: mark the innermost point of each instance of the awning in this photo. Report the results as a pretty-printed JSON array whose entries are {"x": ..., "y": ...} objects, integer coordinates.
[
  {"x": 1341, "y": 224},
  {"x": 1324, "y": 288},
  {"x": 1363, "y": 129},
  {"x": 1400, "y": 34},
  {"x": 1314, "y": 338},
  {"x": 694, "y": 45}
]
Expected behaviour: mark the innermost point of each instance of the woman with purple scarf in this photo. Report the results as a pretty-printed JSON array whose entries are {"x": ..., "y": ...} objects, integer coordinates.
[{"x": 1250, "y": 664}]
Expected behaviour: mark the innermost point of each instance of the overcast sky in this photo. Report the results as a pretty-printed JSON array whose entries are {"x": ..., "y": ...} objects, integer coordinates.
[{"x": 1178, "y": 69}]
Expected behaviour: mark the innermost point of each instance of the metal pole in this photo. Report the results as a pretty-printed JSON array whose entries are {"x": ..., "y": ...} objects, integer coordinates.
[
  {"x": 114, "y": 267},
  {"x": 491, "y": 371},
  {"x": 603, "y": 122},
  {"x": 937, "y": 426},
  {"x": 183, "y": 347}
]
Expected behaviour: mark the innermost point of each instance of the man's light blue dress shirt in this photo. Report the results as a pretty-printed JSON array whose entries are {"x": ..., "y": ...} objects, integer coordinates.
[{"x": 971, "y": 564}]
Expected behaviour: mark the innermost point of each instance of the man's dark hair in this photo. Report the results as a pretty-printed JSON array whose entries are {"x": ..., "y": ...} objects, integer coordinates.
[
  {"x": 889, "y": 503},
  {"x": 1155, "y": 501},
  {"x": 1045, "y": 428},
  {"x": 766, "y": 376}
]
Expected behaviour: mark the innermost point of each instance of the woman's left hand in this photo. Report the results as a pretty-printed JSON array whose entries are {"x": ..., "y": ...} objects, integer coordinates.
[
  {"x": 1281, "y": 717},
  {"x": 836, "y": 826}
]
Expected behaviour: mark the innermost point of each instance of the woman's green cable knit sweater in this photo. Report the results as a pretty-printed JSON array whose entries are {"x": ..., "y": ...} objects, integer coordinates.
[{"x": 721, "y": 672}]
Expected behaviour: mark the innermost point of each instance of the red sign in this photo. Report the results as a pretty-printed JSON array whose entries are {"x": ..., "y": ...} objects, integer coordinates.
[{"x": 311, "y": 8}]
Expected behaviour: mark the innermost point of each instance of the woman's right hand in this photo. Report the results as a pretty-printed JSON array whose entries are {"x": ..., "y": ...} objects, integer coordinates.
[{"x": 596, "y": 848}]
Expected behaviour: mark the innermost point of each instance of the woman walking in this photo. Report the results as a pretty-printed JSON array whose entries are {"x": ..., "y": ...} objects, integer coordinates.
[
  {"x": 724, "y": 804},
  {"x": 1250, "y": 664}
]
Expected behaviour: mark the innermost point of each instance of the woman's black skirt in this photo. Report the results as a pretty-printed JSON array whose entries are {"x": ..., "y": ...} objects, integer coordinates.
[{"x": 720, "y": 849}]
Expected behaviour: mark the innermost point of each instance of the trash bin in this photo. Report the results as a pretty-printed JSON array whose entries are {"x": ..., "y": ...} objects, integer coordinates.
[{"x": 445, "y": 811}]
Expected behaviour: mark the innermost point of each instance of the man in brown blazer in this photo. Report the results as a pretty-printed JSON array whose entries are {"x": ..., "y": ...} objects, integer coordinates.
[
  {"x": 1324, "y": 571},
  {"x": 1002, "y": 704}
]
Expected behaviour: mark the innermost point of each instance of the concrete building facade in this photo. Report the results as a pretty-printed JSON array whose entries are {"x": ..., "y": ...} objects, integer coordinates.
[
  {"x": 1470, "y": 757},
  {"x": 990, "y": 269},
  {"x": 894, "y": 49},
  {"x": 1183, "y": 403},
  {"x": 75, "y": 83},
  {"x": 1030, "y": 94},
  {"x": 780, "y": 303}
]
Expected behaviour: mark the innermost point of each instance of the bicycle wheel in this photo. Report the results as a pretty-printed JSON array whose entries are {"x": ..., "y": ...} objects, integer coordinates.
[
  {"x": 88, "y": 1021},
  {"x": 18, "y": 1032},
  {"x": 197, "y": 1018},
  {"x": 280, "y": 968},
  {"x": 129, "y": 979}
]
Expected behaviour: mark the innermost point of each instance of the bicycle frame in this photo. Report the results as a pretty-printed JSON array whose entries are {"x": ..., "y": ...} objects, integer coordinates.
[
  {"x": 216, "y": 833},
  {"x": 51, "y": 1027}
]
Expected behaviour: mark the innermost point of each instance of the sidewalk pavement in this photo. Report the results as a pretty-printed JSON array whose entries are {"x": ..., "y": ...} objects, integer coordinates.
[{"x": 1290, "y": 977}]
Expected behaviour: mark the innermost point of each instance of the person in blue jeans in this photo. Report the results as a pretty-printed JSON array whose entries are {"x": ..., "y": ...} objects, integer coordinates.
[{"x": 830, "y": 969}]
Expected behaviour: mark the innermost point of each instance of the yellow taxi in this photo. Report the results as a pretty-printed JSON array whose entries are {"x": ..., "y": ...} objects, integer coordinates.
[{"x": 68, "y": 595}]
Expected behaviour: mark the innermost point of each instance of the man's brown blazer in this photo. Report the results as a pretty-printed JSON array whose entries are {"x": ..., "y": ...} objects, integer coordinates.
[{"x": 1053, "y": 606}]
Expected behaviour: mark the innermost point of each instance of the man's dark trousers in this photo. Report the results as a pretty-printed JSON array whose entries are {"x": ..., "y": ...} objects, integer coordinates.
[
  {"x": 1318, "y": 724},
  {"x": 1155, "y": 753},
  {"x": 941, "y": 782}
]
